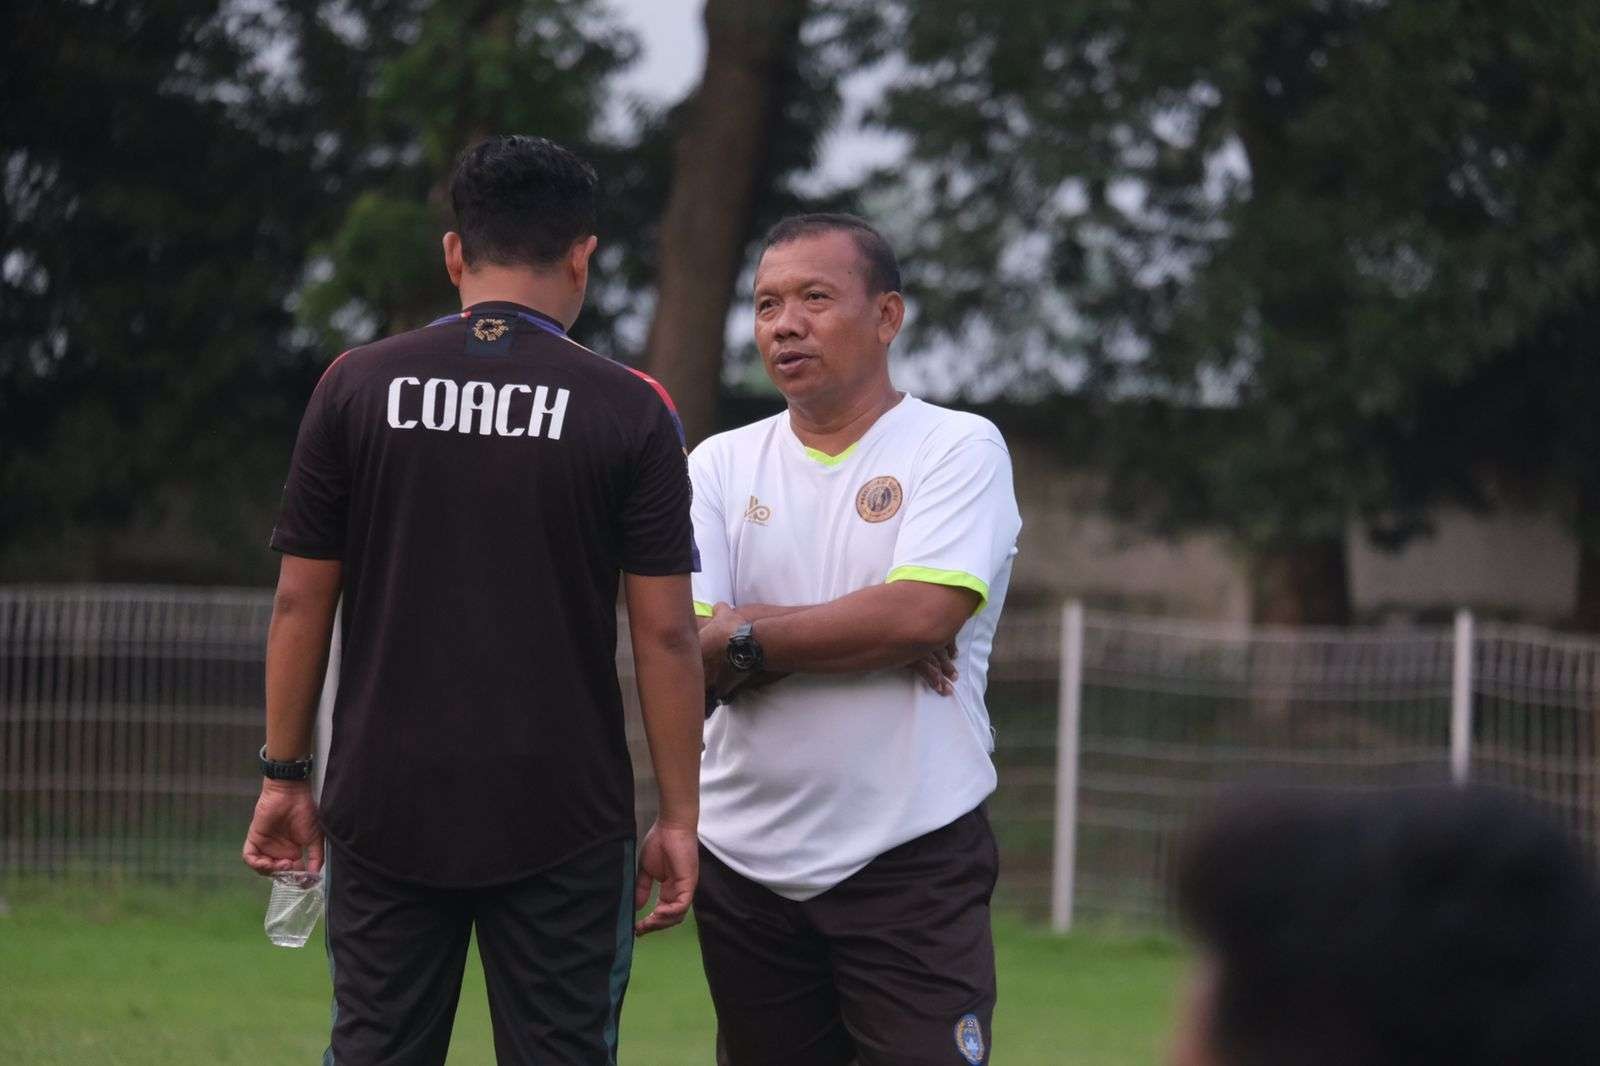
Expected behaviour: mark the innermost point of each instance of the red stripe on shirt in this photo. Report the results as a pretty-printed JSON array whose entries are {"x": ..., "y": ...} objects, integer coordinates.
[
  {"x": 333, "y": 364},
  {"x": 661, "y": 390}
]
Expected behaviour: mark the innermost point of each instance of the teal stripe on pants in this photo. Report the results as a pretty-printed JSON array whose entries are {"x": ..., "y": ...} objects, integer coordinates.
[
  {"x": 622, "y": 964},
  {"x": 327, "y": 947}
]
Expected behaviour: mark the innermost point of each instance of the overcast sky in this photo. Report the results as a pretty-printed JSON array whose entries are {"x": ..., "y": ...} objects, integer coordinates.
[{"x": 673, "y": 42}]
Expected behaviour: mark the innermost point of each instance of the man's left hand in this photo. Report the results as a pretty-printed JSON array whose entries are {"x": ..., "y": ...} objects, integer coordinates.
[
  {"x": 670, "y": 857},
  {"x": 938, "y": 669}
]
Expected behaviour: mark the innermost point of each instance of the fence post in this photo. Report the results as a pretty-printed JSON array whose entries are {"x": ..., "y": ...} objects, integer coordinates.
[
  {"x": 1068, "y": 703},
  {"x": 1461, "y": 701}
]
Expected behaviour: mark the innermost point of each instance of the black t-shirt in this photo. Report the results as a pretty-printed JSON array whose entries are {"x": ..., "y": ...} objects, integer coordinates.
[{"x": 483, "y": 480}]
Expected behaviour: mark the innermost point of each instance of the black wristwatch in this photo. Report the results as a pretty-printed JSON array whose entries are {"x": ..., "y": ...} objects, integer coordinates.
[
  {"x": 298, "y": 770},
  {"x": 744, "y": 651}
]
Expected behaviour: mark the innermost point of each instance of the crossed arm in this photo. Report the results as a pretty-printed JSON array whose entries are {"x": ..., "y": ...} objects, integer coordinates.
[{"x": 901, "y": 623}]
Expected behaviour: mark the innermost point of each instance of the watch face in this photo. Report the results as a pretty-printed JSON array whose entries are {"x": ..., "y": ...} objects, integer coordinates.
[{"x": 744, "y": 654}]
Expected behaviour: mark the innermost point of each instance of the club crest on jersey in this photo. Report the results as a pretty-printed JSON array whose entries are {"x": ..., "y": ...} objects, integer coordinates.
[
  {"x": 879, "y": 499},
  {"x": 969, "y": 1039},
  {"x": 490, "y": 329},
  {"x": 757, "y": 512}
]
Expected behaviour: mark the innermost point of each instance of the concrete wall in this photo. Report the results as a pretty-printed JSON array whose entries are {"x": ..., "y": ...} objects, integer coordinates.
[
  {"x": 1519, "y": 561},
  {"x": 1069, "y": 548}
]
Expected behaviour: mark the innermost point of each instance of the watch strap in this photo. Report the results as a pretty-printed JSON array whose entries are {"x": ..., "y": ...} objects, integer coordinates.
[{"x": 292, "y": 770}]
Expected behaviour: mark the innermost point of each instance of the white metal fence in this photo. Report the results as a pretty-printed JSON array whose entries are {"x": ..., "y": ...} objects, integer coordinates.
[
  {"x": 1157, "y": 715},
  {"x": 129, "y": 720}
]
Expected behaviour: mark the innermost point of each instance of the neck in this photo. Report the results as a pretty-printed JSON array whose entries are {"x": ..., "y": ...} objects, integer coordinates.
[
  {"x": 833, "y": 428},
  {"x": 541, "y": 291}
]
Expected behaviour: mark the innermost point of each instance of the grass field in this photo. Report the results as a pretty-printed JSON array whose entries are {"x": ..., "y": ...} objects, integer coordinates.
[{"x": 129, "y": 977}]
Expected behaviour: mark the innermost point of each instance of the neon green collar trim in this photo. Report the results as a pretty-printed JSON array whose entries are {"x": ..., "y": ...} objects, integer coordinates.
[{"x": 830, "y": 460}]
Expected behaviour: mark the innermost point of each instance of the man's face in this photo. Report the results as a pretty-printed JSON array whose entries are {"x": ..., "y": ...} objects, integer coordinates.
[{"x": 823, "y": 336}]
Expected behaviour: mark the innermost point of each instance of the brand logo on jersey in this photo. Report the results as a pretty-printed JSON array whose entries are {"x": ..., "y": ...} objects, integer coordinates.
[
  {"x": 757, "y": 512},
  {"x": 490, "y": 329},
  {"x": 512, "y": 410},
  {"x": 969, "y": 1039},
  {"x": 879, "y": 499}
]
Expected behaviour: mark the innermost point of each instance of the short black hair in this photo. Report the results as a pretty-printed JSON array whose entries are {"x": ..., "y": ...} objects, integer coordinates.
[
  {"x": 1409, "y": 926},
  {"x": 883, "y": 269},
  {"x": 521, "y": 200}
]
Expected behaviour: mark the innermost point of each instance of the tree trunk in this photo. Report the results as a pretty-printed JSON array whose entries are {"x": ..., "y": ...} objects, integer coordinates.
[
  {"x": 1293, "y": 582},
  {"x": 719, "y": 160},
  {"x": 1302, "y": 584}
]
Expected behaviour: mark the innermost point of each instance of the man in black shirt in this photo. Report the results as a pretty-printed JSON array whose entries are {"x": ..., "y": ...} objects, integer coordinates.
[{"x": 474, "y": 488}]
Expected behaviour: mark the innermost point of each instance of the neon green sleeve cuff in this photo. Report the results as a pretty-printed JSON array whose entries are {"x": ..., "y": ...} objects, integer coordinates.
[
  {"x": 955, "y": 578},
  {"x": 703, "y": 610}
]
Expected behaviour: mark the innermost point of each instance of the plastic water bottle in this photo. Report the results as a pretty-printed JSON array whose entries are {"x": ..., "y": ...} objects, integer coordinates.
[{"x": 293, "y": 907}]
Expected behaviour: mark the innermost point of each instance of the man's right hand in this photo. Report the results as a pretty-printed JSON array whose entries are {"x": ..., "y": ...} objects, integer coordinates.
[
  {"x": 670, "y": 856},
  {"x": 749, "y": 683},
  {"x": 285, "y": 825}
]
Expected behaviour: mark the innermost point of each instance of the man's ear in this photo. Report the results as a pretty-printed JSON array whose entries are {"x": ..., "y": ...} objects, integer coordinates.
[
  {"x": 455, "y": 264},
  {"x": 578, "y": 260},
  {"x": 891, "y": 316}
]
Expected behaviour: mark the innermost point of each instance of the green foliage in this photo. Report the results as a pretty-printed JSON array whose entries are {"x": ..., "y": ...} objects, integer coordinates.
[
  {"x": 385, "y": 254},
  {"x": 203, "y": 203},
  {"x": 187, "y": 187},
  {"x": 443, "y": 77},
  {"x": 1289, "y": 246},
  {"x": 156, "y": 211}
]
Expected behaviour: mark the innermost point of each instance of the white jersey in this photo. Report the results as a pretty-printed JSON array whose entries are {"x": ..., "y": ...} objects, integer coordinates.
[{"x": 806, "y": 781}]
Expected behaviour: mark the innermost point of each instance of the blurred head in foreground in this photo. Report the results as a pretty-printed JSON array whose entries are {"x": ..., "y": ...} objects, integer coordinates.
[
  {"x": 525, "y": 221},
  {"x": 1424, "y": 927},
  {"x": 828, "y": 305}
]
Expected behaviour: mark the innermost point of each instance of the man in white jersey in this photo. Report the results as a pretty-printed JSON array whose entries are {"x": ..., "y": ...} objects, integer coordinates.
[{"x": 855, "y": 554}]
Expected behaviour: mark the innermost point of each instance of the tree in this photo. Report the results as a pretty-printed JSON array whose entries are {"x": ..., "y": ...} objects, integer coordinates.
[
  {"x": 188, "y": 186},
  {"x": 445, "y": 76},
  {"x": 1296, "y": 241},
  {"x": 157, "y": 207},
  {"x": 721, "y": 160},
  {"x": 739, "y": 144}
]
